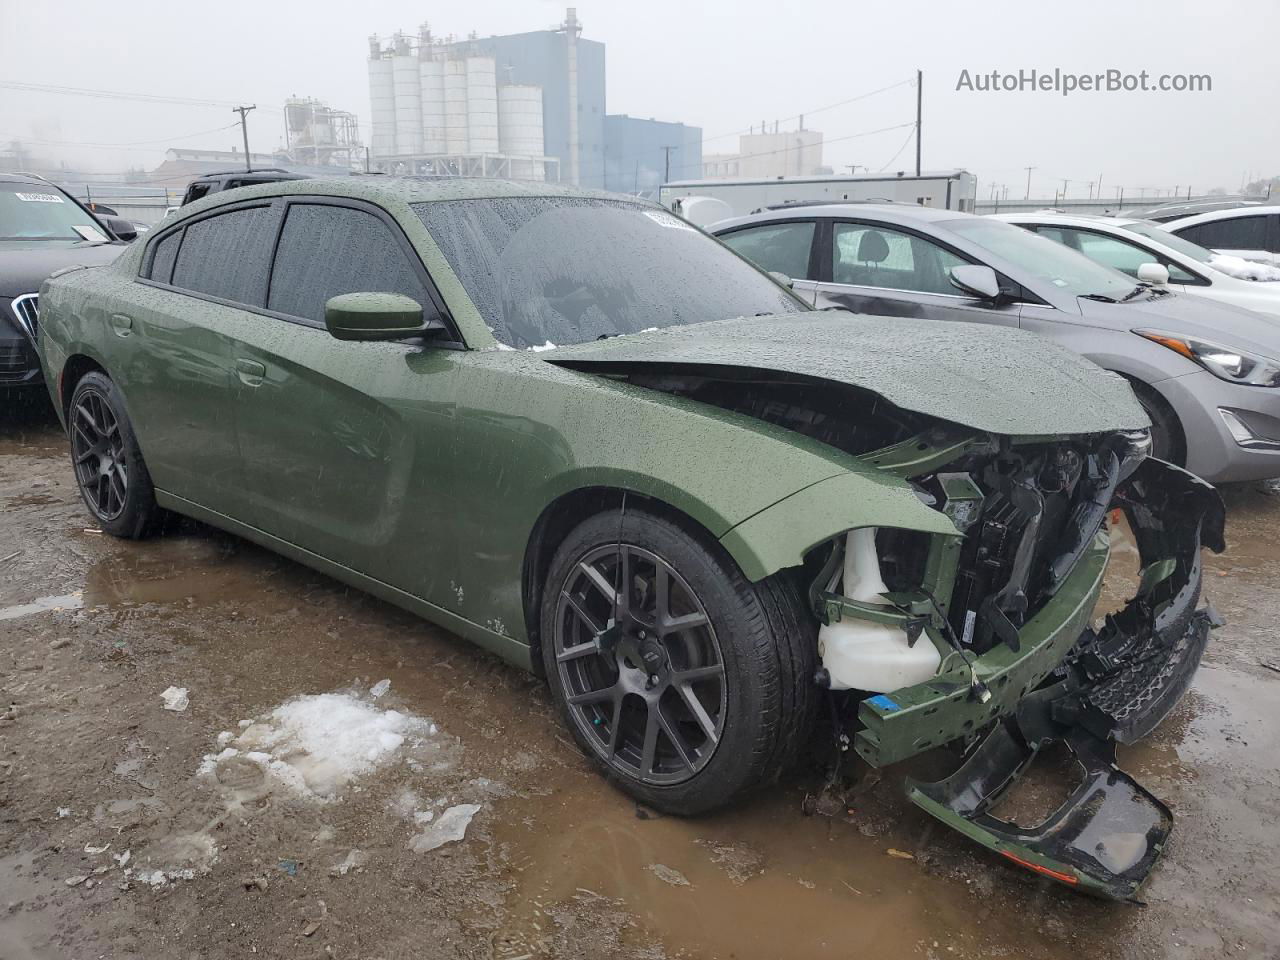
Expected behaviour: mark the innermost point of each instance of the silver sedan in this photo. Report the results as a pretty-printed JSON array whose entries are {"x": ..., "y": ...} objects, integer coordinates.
[{"x": 1207, "y": 373}]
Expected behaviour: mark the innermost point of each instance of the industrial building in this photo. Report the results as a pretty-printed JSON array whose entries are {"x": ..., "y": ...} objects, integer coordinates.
[
  {"x": 318, "y": 135},
  {"x": 640, "y": 155},
  {"x": 525, "y": 106},
  {"x": 768, "y": 154}
]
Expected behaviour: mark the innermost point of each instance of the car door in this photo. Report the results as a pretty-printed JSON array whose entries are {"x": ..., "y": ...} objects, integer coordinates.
[
  {"x": 348, "y": 446},
  {"x": 870, "y": 267},
  {"x": 171, "y": 353},
  {"x": 1250, "y": 236},
  {"x": 786, "y": 247}
]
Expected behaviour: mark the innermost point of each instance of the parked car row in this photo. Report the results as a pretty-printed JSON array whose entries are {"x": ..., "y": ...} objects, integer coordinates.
[
  {"x": 580, "y": 432},
  {"x": 1203, "y": 367}
]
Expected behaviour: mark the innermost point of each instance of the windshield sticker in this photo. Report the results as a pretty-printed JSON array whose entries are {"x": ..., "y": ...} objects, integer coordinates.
[
  {"x": 89, "y": 233},
  {"x": 667, "y": 220},
  {"x": 39, "y": 197}
]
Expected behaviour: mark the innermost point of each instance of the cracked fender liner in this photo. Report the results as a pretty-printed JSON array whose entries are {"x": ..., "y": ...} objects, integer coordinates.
[{"x": 1115, "y": 685}]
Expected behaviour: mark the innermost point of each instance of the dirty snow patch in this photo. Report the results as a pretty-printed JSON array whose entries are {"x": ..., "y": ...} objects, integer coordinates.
[
  {"x": 175, "y": 699},
  {"x": 316, "y": 745}
]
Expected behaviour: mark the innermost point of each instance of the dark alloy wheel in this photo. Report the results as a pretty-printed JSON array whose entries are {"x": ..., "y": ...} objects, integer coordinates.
[
  {"x": 113, "y": 479},
  {"x": 97, "y": 450},
  {"x": 685, "y": 683},
  {"x": 640, "y": 664}
]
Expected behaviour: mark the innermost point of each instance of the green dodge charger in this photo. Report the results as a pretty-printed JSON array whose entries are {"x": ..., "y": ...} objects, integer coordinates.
[{"x": 571, "y": 428}]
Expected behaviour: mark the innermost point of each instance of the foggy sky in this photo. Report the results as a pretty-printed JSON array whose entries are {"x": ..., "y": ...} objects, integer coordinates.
[{"x": 720, "y": 65}]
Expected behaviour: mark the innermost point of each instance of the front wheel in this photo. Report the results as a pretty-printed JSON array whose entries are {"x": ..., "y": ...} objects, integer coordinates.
[
  {"x": 682, "y": 681},
  {"x": 110, "y": 472}
]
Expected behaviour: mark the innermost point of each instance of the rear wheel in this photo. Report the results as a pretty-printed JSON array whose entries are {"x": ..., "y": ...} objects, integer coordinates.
[
  {"x": 109, "y": 468},
  {"x": 684, "y": 682}
]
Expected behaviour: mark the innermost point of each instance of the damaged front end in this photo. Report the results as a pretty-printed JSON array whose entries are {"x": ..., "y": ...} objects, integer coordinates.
[{"x": 1008, "y": 604}]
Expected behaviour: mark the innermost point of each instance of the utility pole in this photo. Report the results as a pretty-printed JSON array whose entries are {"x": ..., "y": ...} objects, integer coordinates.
[
  {"x": 919, "y": 103},
  {"x": 1064, "y": 188},
  {"x": 244, "y": 129},
  {"x": 666, "y": 175},
  {"x": 1028, "y": 196}
]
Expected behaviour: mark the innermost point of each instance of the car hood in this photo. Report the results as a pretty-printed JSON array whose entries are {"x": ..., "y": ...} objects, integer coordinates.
[
  {"x": 25, "y": 264},
  {"x": 1202, "y": 317},
  {"x": 994, "y": 379}
]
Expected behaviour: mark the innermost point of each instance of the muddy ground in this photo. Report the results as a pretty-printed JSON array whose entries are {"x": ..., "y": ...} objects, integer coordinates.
[{"x": 555, "y": 863}]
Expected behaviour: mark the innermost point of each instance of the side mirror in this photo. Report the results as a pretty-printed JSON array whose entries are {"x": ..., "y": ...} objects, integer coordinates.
[
  {"x": 120, "y": 228},
  {"x": 1153, "y": 273},
  {"x": 783, "y": 279},
  {"x": 374, "y": 316},
  {"x": 976, "y": 279}
]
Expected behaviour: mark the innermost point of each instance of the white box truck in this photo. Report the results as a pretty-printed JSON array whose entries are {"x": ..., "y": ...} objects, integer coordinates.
[{"x": 705, "y": 201}]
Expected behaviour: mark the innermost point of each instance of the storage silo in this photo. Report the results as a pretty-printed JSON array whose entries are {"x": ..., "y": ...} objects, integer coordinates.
[
  {"x": 431, "y": 73},
  {"x": 482, "y": 105},
  {"x": 408, "y": 93},
  {"x": 455, "y": 106},
  {"x": 382, "y": 102},
  {"x": 520, "y": 129}
]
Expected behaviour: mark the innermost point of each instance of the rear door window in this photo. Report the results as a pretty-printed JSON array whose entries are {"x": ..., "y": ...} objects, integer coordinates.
[
  {"x": 329, "y": 250},
  {"x": 227, "y": 255},
  {"x": 867, "y": 255},
  {"x": 778, "y": 247},
  {"x": 1235, "y": 233}
]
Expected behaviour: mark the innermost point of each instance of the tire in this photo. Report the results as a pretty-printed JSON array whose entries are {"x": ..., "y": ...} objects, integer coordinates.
[
  {"x": 744, "y": 653},
  {"x": 110, "y": 473},
  {"x": 1167, "y": 442}
]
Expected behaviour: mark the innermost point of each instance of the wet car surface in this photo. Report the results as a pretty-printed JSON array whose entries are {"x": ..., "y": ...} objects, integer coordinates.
[{"x": 556, "y": 862}]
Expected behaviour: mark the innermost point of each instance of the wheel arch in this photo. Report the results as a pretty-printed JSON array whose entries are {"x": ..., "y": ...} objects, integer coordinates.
[
  {"x": 559, "y": 518},
  {"x": 73, "y": 370}
]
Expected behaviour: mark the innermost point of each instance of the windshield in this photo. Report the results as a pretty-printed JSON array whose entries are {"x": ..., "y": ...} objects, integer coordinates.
[
  {"x": 38, "y": 211},
  {"x": 1174, "y": 242},
  {"x": 561, "y": 270},
  {"x": 1071, "y": 272}
]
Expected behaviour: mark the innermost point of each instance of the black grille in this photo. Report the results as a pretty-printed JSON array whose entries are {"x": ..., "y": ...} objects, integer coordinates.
[
  {"x": 25, "y": 308},
  {"x": 15, "y": 356}
]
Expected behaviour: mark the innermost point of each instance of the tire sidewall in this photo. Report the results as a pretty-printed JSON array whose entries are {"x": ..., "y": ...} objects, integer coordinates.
[{"x": 737, "y": 622}]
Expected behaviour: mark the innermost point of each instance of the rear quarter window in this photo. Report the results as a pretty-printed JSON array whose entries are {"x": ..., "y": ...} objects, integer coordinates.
[{"x": 162, "y": 255}]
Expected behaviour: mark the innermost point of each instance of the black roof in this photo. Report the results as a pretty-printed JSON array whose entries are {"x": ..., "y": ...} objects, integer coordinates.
[{"x": 284, "y": 174}]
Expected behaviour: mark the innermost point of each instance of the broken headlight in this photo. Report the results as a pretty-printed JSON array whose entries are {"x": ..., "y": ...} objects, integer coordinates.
[{"x": 1226, "y": 363}]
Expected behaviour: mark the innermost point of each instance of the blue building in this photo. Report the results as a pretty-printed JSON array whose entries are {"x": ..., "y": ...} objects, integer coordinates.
[{"x": 637, "y": 158}]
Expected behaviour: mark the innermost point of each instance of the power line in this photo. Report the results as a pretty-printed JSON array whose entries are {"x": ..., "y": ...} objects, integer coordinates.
[
  {"x": 115, "y": 146},
  {"x": 910, "y": 133},
  {"x": 116, "y": 95}
]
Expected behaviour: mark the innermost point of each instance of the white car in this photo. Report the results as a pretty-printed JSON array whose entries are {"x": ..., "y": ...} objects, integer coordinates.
[
  {"x": 1249, "y": 232},
  {"x": 1146, "y": 251}
]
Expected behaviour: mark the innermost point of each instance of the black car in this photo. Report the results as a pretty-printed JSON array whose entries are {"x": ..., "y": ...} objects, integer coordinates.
[
  {"x": 42, "y": 229},
  {"x": 209, "y": 183}
]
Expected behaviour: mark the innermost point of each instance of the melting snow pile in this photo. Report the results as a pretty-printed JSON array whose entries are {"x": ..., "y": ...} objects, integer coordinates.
[
  {"x": 318, "y": 744},
  {"x": 1243, "y": 269}
]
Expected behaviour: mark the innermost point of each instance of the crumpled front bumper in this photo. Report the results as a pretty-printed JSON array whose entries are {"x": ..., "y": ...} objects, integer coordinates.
[{"x": 1067, "y": 682}]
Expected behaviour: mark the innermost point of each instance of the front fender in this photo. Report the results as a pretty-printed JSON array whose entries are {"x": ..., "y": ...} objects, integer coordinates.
[{"x": 779, "y": 536}]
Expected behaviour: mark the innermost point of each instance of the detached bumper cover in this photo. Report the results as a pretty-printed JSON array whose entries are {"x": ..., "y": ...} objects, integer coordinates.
[{"x": 1089, "y": 689}]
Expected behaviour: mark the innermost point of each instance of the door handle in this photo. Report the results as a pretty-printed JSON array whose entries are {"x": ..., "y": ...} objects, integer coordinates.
[
  {"x": 250, "y": 372},
  {"x": 122, "y": 325}
]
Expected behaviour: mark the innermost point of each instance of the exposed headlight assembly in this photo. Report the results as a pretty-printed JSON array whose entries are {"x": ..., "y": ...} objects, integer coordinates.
[{"x": 1225, "y": 363}]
